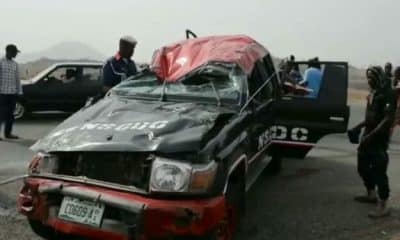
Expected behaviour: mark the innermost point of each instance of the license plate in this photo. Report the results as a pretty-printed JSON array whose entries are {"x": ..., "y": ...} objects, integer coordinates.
[{"x": 80, "y": 211}]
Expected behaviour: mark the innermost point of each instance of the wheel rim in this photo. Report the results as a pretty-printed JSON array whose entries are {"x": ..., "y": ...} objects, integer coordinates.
[{"x": 19, "y": 111}]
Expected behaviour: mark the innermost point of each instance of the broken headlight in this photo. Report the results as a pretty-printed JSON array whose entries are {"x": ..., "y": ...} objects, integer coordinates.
[
  {"x": 173, "y": 176},
  {"x": 43, "y": 163}
]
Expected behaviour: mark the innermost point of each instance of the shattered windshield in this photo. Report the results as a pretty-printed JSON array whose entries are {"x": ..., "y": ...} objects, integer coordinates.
[{"x": 214, "y": 82}]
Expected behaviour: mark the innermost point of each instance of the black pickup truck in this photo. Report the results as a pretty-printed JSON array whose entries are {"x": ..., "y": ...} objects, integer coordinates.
[{"x": 170, "y": 153}]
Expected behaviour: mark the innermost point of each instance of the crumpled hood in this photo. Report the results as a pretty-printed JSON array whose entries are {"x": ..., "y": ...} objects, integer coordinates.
[{"x": 115, "y": 124}]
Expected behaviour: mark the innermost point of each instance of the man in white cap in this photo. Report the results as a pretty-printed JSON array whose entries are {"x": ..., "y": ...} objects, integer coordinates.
[{"x": 121, "y": 66}]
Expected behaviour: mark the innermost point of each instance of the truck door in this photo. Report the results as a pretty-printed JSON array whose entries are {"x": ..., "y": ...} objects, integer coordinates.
[
  {"x": 303, "y": 119},
  {"x": 263, "y": 88}
]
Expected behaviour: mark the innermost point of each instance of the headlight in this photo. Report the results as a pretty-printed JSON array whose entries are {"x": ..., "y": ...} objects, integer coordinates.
[
  {"x": 173, "y": 176},
  {"x": 43, "y": 163}
]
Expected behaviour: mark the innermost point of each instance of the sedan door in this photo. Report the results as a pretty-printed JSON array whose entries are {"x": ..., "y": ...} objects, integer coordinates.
[{"x": 55, "y": 90}]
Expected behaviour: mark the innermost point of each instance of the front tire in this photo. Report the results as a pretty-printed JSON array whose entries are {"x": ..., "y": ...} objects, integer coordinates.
[
  {"x": 235, "y": 205},
  {"x": 41, "y": 230},
  {"x": 20, "y": 110}
]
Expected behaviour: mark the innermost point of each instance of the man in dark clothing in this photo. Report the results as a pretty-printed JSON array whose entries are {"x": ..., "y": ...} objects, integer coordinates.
[
  {"x": 121, "y": 66},
  {"x": 396, "y": 78},
  {"x": 388, "y": 70},
  {"x": 10, "y": 88},
  {"x": 373, "y": 158}
]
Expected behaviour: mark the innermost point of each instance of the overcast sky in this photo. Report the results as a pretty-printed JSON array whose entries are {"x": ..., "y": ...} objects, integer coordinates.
[{"x": 359, "y": 31}]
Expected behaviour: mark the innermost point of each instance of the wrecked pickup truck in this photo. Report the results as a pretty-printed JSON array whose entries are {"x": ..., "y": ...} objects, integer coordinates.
[{"x": 167, "y": 154}]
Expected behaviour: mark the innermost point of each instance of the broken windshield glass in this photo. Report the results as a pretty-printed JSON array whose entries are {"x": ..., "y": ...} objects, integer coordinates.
[{"x": 226, "y": 82}]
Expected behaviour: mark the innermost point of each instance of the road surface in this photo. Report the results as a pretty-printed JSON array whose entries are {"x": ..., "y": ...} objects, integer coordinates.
[{"x": 310, "y": 199}]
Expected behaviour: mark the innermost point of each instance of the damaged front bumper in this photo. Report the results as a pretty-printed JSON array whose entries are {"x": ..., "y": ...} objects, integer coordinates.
[{"x": 126, "y": 216}]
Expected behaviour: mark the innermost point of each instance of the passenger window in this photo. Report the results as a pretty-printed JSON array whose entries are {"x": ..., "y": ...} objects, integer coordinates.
[
  {"x": 92, "y": 74},
  {"x": 267, "y": 91},
  {"x": 63, "y": 75}
]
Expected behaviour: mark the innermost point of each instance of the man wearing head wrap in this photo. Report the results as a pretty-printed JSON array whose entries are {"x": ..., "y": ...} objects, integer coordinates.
[
  {"x": 373, "y": 158},
  {"x": 121, "y": 66}
]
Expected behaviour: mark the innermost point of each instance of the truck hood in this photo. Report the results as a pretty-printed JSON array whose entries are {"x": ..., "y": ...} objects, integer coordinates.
[{"x": 120, "y": 125}]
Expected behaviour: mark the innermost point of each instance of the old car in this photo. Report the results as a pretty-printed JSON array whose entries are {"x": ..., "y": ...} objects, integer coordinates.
[
  {"x": 63, "y": 86},
  {"x": 168, "y": 153}
]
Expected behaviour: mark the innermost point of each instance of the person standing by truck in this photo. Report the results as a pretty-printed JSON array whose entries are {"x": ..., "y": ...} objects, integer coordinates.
[
  {"x": 388, "y": 71},
  {"x": 10, "y": 88},
  {"x": 121, "y": 66},
  {"x": 396, "y": 84},
  {"x": 373, "y": 158}
]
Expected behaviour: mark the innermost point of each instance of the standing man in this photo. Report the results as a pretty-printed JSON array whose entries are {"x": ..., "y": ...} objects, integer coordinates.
[
  {"x": 397, "y": 91},
  {"x": 121, "y": 66},
  {"x": 10, "y": 88},
  {"x": 396, "y": 78},
  {"x": 373, "y": 158},
  {"x": 388, "y": 71}
]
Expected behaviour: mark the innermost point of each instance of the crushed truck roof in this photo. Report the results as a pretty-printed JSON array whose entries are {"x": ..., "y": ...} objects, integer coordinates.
[{"x": 174, "y": 61}]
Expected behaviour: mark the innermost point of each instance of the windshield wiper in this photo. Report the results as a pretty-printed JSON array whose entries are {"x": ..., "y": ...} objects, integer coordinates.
[{"x": 216, "y": 93}]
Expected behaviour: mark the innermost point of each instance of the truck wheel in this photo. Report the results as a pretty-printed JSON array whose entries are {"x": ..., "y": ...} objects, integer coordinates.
[
  {"x": 20, "y": 110},
  {"x": 235, "y": 205},
  {"x": 42, "y": 230},
  {"x": 300, "y": 153},
  {"x": 275, "y": 166}
]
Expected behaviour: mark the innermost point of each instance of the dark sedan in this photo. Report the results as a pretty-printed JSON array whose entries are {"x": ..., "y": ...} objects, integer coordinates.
[{"x": 61, "y": 87}]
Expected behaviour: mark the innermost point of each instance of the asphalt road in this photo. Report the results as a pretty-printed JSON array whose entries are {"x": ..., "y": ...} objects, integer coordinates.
[{"x": 310, "y": 199}]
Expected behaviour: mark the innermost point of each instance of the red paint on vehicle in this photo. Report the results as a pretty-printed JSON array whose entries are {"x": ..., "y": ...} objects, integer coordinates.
[
  {"x": 161, "y": 218},
  {"x": 175, "y": 61}
]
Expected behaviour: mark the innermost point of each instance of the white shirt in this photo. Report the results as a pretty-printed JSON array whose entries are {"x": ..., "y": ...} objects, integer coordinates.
[{"x": 9, "y": 77}]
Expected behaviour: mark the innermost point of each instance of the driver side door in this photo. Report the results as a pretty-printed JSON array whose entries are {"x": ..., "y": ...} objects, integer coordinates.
[
  {"x": 264, "y": 87},
  {"x": 55, "y": 90}
]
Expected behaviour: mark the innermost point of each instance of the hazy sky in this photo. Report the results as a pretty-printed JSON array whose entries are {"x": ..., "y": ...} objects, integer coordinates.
[{"x": 359, "y": 31}]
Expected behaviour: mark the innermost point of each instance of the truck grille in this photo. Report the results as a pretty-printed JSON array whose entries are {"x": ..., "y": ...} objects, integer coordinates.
[{"x": 130, "y": 169}]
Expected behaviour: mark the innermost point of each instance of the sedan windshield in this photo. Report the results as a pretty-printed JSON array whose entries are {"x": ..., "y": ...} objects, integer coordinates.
[{"x": 214, "y": 83}]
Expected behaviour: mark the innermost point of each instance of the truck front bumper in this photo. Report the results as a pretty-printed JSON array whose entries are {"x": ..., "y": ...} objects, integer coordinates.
[{"x": 130, "y": 216}]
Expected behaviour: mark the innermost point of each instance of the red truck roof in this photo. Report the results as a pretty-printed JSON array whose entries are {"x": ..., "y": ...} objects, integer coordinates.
[{"x": 173, "y": 62}]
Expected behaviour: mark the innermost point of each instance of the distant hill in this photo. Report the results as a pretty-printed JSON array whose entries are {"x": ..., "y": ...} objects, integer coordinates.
[{"x": 65, "y": 50}]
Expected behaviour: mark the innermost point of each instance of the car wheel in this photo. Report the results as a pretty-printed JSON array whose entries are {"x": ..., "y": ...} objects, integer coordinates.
[{"x": 20, "y": 110}]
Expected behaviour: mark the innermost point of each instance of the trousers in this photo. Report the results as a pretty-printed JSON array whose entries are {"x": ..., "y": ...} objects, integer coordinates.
[
  {"x": 372, "y": 167},
  {"x": 7, "y": 107}
]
